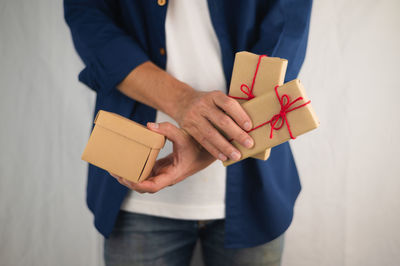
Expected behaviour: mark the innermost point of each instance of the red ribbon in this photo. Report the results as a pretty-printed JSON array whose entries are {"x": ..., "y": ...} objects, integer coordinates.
[
  {"x": 249, "y": 91},
  {"x": 284, "y": 101}
]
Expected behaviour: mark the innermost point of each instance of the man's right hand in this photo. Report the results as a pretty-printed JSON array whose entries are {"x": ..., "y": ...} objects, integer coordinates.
[
  {"x": 195, "y": 111},
  {"x": 199, "y": 112}
]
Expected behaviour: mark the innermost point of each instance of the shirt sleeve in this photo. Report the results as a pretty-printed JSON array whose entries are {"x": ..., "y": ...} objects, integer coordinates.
[
  {"x": 108, "y": 52},
  {"x": 284, "y": 33}
]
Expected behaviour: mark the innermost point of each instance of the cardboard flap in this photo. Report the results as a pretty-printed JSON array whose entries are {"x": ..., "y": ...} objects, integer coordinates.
[{"x": 129, "y": 129}]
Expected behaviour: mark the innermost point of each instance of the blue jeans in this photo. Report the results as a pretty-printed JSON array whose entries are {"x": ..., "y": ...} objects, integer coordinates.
[{"x": 154, "y": 241}]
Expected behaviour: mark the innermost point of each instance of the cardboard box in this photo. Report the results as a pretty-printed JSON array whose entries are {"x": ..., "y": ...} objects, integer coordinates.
[
  {"x": 267, "y": 106},
  {"x": 122, "y": 146},
  {"x": 246, "y": 79}
]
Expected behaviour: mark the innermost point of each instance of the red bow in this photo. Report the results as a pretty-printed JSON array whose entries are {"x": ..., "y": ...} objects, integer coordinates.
[{"x": 285, "y": 103}]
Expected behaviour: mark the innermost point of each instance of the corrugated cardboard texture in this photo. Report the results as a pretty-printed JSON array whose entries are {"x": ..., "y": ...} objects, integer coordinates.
[
  {"x": 264, "y": 107},
  {"x": 122, "y": 147},
  {"x": 271, "y": 72}
]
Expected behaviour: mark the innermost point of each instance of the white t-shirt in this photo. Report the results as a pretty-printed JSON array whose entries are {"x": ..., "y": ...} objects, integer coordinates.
[{"x": 194, "y": 57}]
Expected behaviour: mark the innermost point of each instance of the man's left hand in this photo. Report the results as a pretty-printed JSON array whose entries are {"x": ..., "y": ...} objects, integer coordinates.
[{"x": 187, "y": 158}]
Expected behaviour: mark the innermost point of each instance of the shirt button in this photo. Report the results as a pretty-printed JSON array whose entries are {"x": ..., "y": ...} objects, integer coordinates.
[
  {"x": 161, "y": 2},
  {"x": 162, "y": 51}
]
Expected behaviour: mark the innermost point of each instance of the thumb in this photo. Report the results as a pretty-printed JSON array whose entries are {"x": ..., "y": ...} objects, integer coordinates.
[{"x": 170, "y": 131}]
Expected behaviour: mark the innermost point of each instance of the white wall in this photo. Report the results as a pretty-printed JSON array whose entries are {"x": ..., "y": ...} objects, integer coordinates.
[
  {"x": 349, "y": 210},
  {"x": 45, "y": 117}
]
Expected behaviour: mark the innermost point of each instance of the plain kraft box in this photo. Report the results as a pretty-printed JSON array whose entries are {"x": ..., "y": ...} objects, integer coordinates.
[{"x": 122, "y": 146}]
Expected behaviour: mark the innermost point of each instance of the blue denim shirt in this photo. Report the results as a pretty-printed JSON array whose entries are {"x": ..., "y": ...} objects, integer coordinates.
[{"x": 113, "y": 37}]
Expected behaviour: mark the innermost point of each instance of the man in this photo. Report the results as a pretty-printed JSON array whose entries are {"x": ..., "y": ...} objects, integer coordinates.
[{"x": 170, "y": 62}]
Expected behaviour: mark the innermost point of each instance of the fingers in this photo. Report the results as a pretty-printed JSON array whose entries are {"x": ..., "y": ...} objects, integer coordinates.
[
  {"x": 209, "y": 147},
  {"x": 224, "y": 122},
  {"x": 151, "y": 185},
  {"x": 161, "y": 165},
  {"x": 206, "y": 112},
  {"x": 214, "y": 151},
  {"x": 213, "y": 141},
  {"x": 218, "y": 146},
  {"x": 234, "y": 110},
  {"x": 123, "y": 181},
  {"x": 178, "y": 137},
  {"x": 170, "y": 131},
  {"x": 155, "y": 184}
]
